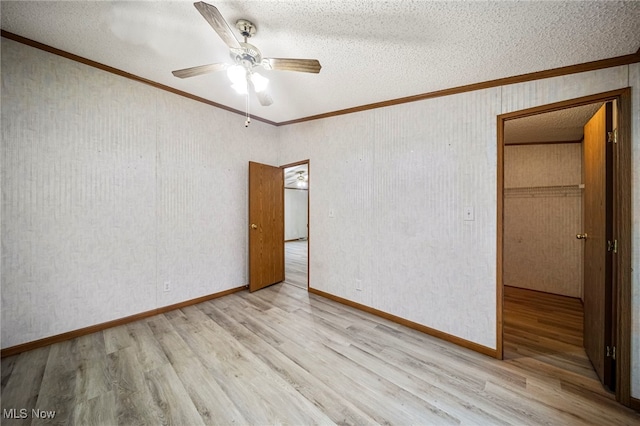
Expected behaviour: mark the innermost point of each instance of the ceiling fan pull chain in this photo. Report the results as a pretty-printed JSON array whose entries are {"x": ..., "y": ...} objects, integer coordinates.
[{"x": 248, "y": 120}]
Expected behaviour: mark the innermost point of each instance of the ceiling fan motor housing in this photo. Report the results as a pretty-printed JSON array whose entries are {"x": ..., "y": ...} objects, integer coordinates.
[{"x": 248, "y": 55}]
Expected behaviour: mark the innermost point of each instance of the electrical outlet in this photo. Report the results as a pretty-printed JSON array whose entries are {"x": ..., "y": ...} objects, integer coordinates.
[
  {"x": 359, "y": 285},
  {"x": 167, "y": 286}
]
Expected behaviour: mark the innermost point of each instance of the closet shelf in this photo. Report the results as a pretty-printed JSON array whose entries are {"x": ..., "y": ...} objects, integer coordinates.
[
  {"x": 552, "y": 187},
  {"x": 548, "y": 191}
]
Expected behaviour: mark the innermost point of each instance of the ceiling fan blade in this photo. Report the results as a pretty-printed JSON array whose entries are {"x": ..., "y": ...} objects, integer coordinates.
[
  {"x": 199, "y": 70},
  {"x": 289, "y": 64},
  {"x": 217, "y": 22}
]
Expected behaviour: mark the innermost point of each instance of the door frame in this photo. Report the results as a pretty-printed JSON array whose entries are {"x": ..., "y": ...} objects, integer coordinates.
[
  {"x": 286, "y": 166},
  {"x": 621, "y": 226}
]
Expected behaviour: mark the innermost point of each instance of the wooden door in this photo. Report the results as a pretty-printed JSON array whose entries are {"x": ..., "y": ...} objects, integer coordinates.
[
  {"x": 597, "y": 205},
  {"x": 266, "y": 225}
]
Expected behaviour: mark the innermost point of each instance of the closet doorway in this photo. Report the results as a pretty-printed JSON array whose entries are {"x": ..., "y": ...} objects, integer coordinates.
[
  {"x": 552, "y": 315},
  {"x": 296, "y": 224},
  {"x": 543, "y": 260}
]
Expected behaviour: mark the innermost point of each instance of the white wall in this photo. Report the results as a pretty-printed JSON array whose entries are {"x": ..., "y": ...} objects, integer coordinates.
[
  {"x": 295, "y": 213},
  {"x": 110, "y": 188},
  {"x": 541, "y": 251},
  {"x": 400, "y": 227}
]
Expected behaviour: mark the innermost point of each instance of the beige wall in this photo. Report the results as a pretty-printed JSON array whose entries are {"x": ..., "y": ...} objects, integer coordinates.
[{"x": 541, "y": 251}]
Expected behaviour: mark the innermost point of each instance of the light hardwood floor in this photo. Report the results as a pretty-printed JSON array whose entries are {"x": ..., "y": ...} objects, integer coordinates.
[
  {"x": 545, "y": 329},
  {"x": 282, "y": 355},
  {"x": 296, "y": 255}
]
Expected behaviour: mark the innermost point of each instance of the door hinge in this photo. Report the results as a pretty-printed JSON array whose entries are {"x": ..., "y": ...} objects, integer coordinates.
[
  {"x": 612, "y": 246},
  {"x": 612, "y": 136},
  {"x": 611, "y": 352}
]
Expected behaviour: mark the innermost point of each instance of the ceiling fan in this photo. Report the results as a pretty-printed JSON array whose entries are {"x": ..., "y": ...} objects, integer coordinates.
[{"x": 246, "y": 57}]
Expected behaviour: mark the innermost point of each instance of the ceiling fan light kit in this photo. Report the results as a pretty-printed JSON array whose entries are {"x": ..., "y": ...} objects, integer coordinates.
[
  {"x": 260, "y": 83},
  {"x": 246, "y": 57},
  {"x": 302, "y": 179}
]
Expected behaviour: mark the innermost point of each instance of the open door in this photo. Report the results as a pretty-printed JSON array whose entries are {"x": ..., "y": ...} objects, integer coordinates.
[
  {"x": 598, "y": 244},
  {"x": 266, "y": 225}
]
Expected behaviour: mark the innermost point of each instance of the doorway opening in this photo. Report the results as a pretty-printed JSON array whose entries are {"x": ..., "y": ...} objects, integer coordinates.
[
  {"x": 296, "y": 224},
  {"x": 543, "y": 260},
  {"x": 543, "y": 317}
]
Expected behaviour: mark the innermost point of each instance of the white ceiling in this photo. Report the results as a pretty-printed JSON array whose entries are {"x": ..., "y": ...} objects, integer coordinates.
[{"x": 370, "y": 51}]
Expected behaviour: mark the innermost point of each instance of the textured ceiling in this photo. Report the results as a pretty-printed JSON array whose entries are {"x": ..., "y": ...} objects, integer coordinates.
[
  {"x": 563, "y": 125},
  {"x": 370, "y": 51}
]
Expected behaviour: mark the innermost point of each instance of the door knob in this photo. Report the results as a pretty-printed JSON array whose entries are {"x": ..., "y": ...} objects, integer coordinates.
[
  {"x": 254, "y": 226},
  {"x": 581, "y": 236}
]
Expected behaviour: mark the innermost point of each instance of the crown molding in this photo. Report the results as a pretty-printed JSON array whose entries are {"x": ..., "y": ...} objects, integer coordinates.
[
  {"x": 538, "y": 75},
  {"x": 121, "y": 73}
]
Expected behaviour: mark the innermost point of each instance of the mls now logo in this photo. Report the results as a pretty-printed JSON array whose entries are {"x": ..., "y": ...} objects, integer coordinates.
[{"x": 23, "y": 413}]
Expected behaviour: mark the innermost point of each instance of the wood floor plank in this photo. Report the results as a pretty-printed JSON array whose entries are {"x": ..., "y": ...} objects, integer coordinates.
[
  {"x": 100, "y": 410},
  {"x": 125, "y": 371},
  {"x": 135, "y": 408},
  {"x": 211, "y": 401},
  {"x": 24, "y": 382},
  {"x": 7, "y": 368},
  {"x": 149, "y": 353},
  {"x": 308, "y": 351},
  {"x": 159, "y": 325},
  {"x": 58, "y": 388},
  {"x": 316, "y": 364},
  {"x": 319, "y": 393},
  {"x": 440, "y": 401},
  {"x": 91, "y": 346},
  {"x": 444, "y": 371},
  {"x": 117, "y": 338},
  {"x": 269, "y": 396},
  {"x": 170, "y": 396},
  {"x": 92, "y": 379},
  {"x": 133, "y": 402}
]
